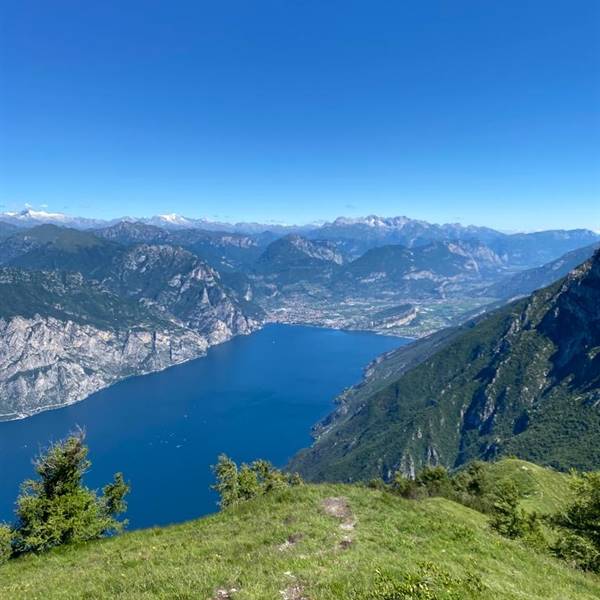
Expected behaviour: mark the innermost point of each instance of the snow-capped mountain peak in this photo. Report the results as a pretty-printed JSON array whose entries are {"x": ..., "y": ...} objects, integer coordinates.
[
  {"x": 40, "y": 215},
  {"x": 174, "y": 219},
  {"x": 374, "y": 221},
  {"x": 30, "y": 217}
]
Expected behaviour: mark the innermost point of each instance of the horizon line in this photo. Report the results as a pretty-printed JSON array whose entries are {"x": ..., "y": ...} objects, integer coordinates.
[{"x": 28, "y": 208}]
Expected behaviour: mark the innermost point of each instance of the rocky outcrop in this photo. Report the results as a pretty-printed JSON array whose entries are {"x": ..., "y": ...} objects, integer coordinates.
[
  {"x": 178, "y": 283},
  {"x": 63, "y": 336},
  {"x": 46, "y": 363}
]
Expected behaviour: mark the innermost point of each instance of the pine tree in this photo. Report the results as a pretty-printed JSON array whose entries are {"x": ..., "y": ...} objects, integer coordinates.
[{"x": 58, "y": 509}]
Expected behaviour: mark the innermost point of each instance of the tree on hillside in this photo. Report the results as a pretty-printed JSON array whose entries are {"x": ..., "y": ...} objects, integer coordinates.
[
  {"x": 509, "y": 520},
  {"x": 579, "y": 524},
  {"x": 58, "y": 509}
]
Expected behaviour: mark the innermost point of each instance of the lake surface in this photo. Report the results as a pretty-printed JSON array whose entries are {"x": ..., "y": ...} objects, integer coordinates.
[{"x": 252, "y": 397}]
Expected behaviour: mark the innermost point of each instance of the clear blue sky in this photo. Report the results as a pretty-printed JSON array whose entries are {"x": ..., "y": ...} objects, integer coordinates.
[{"x": 485, "y": 112}]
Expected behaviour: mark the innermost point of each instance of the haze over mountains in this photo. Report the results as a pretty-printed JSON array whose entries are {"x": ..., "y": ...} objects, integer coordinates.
[{"x": 183, "y": 285}]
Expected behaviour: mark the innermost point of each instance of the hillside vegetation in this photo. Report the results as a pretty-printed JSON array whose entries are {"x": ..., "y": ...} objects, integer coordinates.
[
  {"x": 523, "y": 380},
  {"x": 318, "y": 542}
]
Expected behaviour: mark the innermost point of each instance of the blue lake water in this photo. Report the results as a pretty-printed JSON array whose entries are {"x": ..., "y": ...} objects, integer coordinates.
[{"x": 253, "y": 397}]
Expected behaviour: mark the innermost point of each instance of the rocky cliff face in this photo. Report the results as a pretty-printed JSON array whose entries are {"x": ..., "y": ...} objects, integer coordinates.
[
  {"x": 46, "y": 362},
  {"x": 178, "y": 283},
  {"x": 63, "y": 337}
]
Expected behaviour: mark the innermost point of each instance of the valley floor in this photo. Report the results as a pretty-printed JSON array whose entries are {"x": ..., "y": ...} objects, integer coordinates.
[
  {"x": 317, "y": 542},
  {"x": 414, "y": 318}
]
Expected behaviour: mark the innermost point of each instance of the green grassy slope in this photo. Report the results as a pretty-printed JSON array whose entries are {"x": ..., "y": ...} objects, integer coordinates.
[
  {"x": 543, "y": 490},
  {"x": 245, "y": 548}
]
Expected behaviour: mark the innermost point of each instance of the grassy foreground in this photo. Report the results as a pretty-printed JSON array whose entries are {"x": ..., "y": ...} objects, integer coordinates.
[{"x": 292, "y": 545}]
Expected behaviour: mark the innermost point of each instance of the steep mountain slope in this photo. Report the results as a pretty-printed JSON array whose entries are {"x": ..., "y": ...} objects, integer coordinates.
[
  {"x": 101, "y": 311},
  {"x": 525, "y": 282},
  {"x": 63, "y": 337},
  {"x": 426, "y": 269},
  {"x": 289, "y": 545},
  {"x": 522, "y": 380},
  {"x": 53, "y": 247},
  {"x": 180, "y": 284},
  {"x": 293, "y": 259}
]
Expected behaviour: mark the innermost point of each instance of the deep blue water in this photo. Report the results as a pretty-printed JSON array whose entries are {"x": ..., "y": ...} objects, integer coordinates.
[{"x": 253, "y": 397}]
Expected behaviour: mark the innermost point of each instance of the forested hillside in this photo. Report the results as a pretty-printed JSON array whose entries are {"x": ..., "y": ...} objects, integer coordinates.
[{"x": 522, "y": 380}]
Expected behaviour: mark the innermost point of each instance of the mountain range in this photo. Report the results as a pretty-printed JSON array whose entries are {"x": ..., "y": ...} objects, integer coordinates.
[
  {"x": 359, "y": 234},
  {"x": 79, "y": 312},
  {"x": 196, "y": 287}
]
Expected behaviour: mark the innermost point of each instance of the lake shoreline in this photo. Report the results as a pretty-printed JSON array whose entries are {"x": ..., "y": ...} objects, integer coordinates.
[{"x": 256, "y": 396}]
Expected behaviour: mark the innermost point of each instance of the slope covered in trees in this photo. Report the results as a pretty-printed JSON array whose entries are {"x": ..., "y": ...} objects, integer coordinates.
[{"x": 522, "y": 380}]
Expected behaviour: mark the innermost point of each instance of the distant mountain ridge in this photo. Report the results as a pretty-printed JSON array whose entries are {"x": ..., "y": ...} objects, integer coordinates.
[
  {"x": 525, "y": 282},
  {"x": 399, "y": 229},
  {"x": 30, "y": 217}
]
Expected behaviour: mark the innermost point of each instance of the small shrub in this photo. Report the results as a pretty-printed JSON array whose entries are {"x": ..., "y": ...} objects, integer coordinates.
[
  {"x": 376, "y": 484},
  {"x": 578, "y": 551},
  {"x": 295, "y": 479},
  {"x": 227, "y": 486},
  {"x": 260, "y": 477},
  {"x": 473, "y": 480},
  {"x": 407, "y": 488},
  {"x": 248, "y": 484},
  {"x": 435, "y": 480},
  {"x": 429, "y": 582},
  {"x": 6, "y": 543}
]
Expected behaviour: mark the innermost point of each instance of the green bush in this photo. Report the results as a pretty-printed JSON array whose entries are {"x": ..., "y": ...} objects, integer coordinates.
[
  {"x": 472, "y": 480},
  {"x": 579, "y": 524},
  {"x": 377, "y": 484},
  {"x": 226, "y": 473},
  {"x": 435, "y": 480},
  {"x": 430, "y": 481},
  {"x": 58, "y": 509},
  {"x": 236, "y": 485},
  {"x": 578, "y": 551},
  {"x": 6, "y": 540},
  {"x": 407, "y": 488}
]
